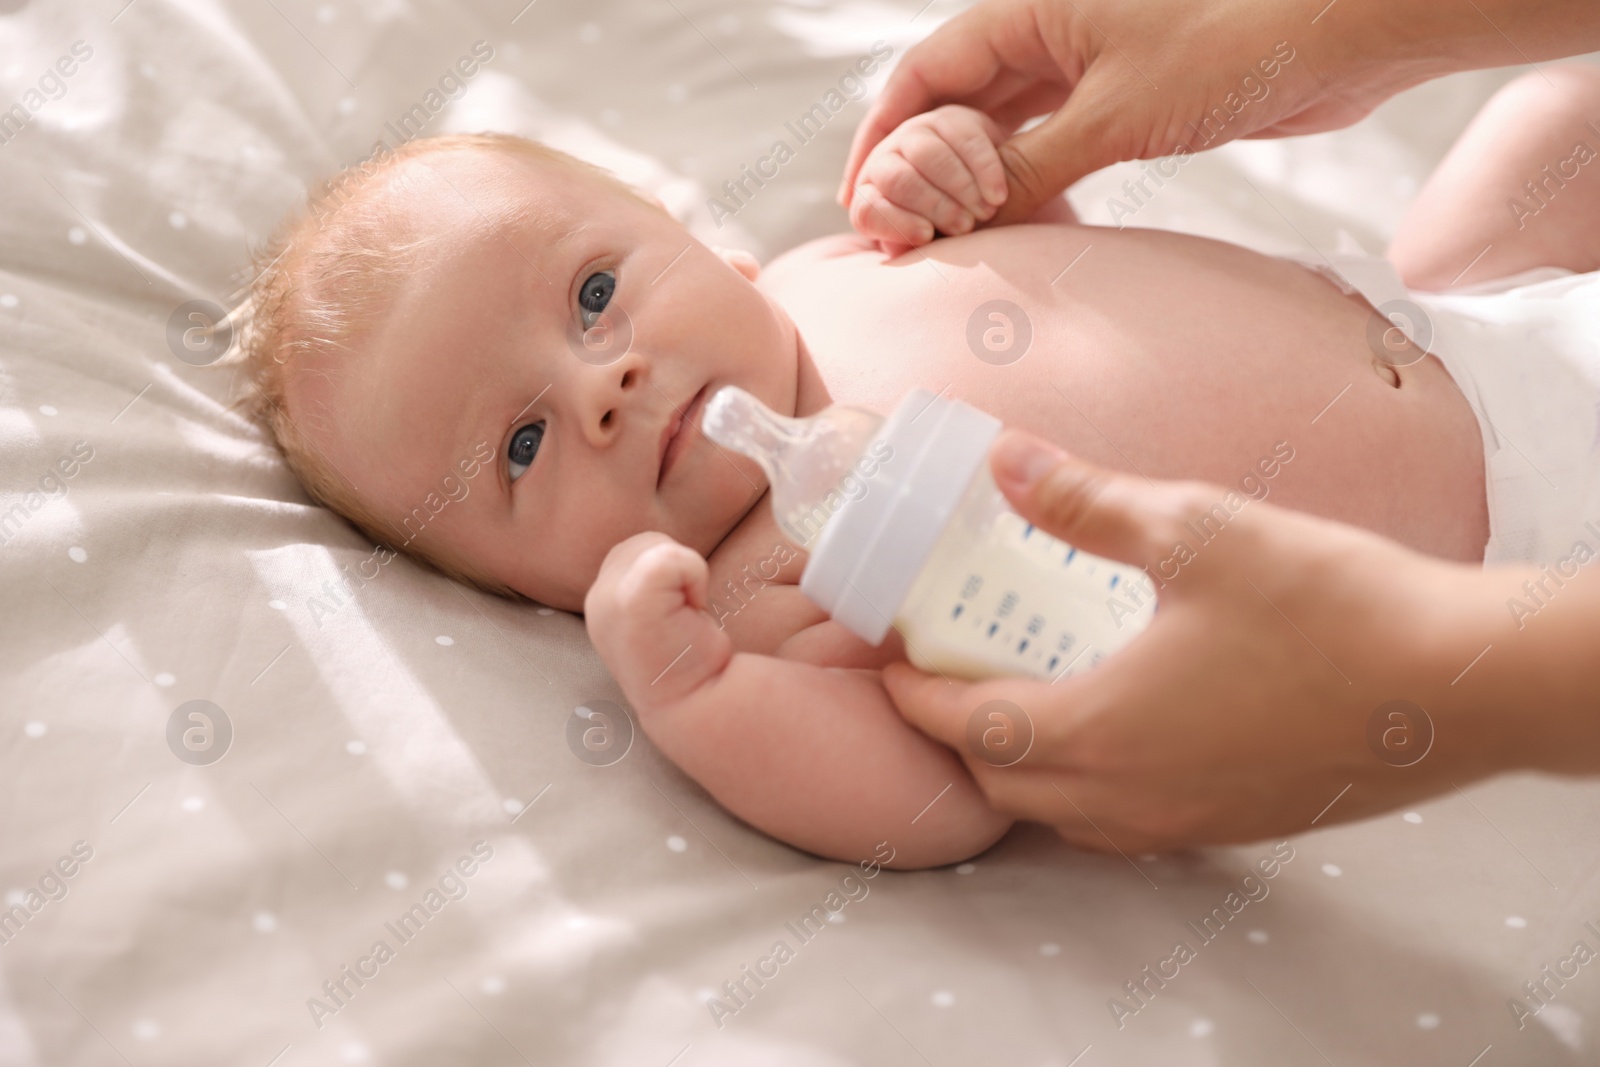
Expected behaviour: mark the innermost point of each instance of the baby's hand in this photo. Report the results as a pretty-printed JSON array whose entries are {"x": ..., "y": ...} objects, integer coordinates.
[
  {"x": 939, "y": 170},
  {"x": 646, "y": 616}
]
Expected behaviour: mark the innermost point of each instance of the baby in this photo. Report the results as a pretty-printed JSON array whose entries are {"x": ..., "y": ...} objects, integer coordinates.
[{"x": 480, "y": 307}]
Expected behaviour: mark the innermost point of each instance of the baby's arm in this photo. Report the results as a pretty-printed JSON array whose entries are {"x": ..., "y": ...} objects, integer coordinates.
[
  {"x": 815, "y": 756},
  {"x": 938, "y": 172}
]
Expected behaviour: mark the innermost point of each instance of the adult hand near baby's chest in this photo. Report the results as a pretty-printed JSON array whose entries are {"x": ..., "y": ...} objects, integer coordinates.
[{"x": 1140, "y": 80}]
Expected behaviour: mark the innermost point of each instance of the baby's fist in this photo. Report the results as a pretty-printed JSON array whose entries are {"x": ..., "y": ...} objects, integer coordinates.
[
  {"x": 646, "y": 616},
  {"x": 937, "y": 171}
]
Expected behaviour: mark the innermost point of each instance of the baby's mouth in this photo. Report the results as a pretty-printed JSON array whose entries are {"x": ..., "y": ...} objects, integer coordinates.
[{"x": 679, "y": 433}]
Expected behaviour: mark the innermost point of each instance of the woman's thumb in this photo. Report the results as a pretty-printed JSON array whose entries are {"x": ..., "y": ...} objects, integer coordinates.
[
  {"x": 1045, "y": 160},
  {"x": 1089, "y": 507}
]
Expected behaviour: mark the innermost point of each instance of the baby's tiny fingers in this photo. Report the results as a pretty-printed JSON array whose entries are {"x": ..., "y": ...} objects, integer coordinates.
[
  {"x": 943, "y": 171},
  {"x": 904, "y": 185},
  {"x": 874, "y": 216},
  {"x": 667, "y": 574},
  {"x": 973, "y": 138}
]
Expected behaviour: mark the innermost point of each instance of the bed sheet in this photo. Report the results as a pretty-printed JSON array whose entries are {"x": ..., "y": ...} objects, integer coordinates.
[{"x": 402, "y": 761}]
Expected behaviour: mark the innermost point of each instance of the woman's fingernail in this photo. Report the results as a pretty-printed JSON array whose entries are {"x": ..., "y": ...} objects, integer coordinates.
[{"x": 1023, "y": 459}]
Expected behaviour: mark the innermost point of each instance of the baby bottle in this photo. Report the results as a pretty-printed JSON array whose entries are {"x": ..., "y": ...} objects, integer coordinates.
[{"x": 906, "y": 528}]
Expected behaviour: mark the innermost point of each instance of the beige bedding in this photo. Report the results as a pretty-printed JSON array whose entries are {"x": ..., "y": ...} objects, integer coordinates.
[{"x": 405, "y": 764}]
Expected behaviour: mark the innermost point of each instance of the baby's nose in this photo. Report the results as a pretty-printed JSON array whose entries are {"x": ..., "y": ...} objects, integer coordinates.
[{"x": 616, "y": 395}]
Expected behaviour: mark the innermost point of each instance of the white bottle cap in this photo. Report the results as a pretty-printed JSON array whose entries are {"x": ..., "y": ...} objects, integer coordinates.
[{"x": 872, "y": 549}]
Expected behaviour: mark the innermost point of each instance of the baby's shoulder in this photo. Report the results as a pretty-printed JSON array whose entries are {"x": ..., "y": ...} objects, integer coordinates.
[{"x": 834, "y": 246}]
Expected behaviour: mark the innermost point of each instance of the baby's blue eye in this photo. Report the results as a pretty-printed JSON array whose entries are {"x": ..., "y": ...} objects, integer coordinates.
[
  {"x": 596, "y": 293},
  {"x": 524, "y": 446}
]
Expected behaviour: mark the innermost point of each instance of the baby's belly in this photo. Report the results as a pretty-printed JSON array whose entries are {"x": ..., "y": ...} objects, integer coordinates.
[{"x": 1167, "y": 355}]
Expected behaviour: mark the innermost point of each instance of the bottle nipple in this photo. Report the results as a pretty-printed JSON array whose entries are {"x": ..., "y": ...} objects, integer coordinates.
[
  {"x": 737, "y": 420},
  {"x": 804, "y": 459}
]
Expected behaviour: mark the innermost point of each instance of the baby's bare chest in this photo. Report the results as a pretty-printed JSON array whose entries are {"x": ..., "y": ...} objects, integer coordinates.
[
  {"x": 1147, "y": 350},
  {"x": 1156, "y": 353}
]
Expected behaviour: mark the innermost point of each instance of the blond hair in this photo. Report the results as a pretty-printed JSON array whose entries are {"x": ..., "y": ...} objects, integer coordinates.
[{"x": 319, "y": 284}]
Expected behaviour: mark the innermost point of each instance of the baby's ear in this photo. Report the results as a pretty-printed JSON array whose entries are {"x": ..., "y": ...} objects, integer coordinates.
[{"x": 741, "y": 261}]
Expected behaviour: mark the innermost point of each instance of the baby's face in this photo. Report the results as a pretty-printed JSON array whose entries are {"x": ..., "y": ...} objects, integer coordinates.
[{"x": 482, "y": 350}]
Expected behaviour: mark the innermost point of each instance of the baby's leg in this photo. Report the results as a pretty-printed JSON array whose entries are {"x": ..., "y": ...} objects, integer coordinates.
[{"x": 1520, "y": 189}]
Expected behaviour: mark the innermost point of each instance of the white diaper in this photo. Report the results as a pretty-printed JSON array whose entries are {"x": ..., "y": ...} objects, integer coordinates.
[{"x": 1525, "y": 352}]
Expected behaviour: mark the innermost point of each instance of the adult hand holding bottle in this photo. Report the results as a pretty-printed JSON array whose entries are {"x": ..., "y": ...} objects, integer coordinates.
[{"x": 1262, "y": 699}]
